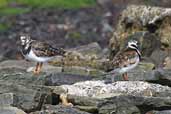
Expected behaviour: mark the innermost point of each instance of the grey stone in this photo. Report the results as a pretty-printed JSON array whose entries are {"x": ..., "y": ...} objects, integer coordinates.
[
  {"x": 160, "y": 112},
  {"x": 55, "y": 79},
  {"x": 58, "y": 109},
  {"x": 139, "y": 105},
  {"x": 6, "y": 99},
  {"x": 11, "y": 110},
  {"x": 147, "y": 24},
  {"x": 98, "y": 89}
]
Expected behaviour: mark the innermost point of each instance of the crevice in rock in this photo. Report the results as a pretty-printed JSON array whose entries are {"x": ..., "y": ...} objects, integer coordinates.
[
  {"x": 151, "y": 28},
  {"x": 163, "y": 82},
  {"x": 55, "y": 99},
  {"x": 146, "y": 108},
  {"x": 38, "y": 107}
]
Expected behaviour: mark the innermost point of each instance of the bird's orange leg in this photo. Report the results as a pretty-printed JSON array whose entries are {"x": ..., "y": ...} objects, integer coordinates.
[
  {"x": 40, "y": 67},
  {"x": 125, "y": 76},
  {"x": 36, "y": 69}
]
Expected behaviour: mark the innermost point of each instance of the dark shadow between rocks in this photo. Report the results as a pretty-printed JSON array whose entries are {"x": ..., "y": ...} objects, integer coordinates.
[{"x": 146, "y": 108}]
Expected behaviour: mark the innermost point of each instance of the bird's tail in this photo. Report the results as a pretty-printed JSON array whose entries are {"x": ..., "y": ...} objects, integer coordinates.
[{"x": 59, "y": 51}]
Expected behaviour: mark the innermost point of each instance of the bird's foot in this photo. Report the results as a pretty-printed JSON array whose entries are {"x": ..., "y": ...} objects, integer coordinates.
[{"x": 64, "y": 100}]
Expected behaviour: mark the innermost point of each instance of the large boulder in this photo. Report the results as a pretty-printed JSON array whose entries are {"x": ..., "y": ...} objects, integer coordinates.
[{"x": 149, "y": 25}]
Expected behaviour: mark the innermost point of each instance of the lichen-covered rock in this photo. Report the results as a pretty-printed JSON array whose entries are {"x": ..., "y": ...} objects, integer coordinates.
[
  {"x": 148, "y": 24},
  {"x": 98, "y": 89}
]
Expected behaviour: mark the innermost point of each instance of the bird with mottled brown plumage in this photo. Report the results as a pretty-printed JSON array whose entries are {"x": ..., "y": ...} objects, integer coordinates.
[
  {"x": 38, "y": 51},
  {"x": 126, "y": 60}
]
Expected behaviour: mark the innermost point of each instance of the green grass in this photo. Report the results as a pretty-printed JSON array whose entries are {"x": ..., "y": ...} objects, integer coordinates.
[
  {"x": 3, "y": 3},
  {"x": 58, "y": 3},
  {"x": 12, "y": 11},
  {"x": 5, "y": 9}
]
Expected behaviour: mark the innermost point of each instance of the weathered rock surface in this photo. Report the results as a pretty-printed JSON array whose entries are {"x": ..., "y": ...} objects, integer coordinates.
[
  {"x": 98, "y": 89},
  {"x": 148, "y": 25},
  {"x": 6, "y": 100},
  {"x": 11, "y": 110},
  {"x": 159, "y": 112},
  {"x": 86, "y": 92},
  {"x": 49, "y": 109}
]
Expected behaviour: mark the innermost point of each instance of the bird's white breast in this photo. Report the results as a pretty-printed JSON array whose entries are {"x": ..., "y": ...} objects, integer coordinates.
[
  {"x": 129, "y": 67},
  {"x": 32, "y": 57}
]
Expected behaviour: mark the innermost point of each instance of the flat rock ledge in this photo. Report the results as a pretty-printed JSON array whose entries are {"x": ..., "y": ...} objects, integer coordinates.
[{"x": 99, "y": 89}]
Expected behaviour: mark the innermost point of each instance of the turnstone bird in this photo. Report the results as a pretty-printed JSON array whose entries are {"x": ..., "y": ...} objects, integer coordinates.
[
  {"x": 39, "y": 52},
  {"x": 126, "y": 60}
]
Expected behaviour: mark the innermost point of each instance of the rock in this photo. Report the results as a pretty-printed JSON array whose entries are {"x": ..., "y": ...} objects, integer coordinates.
[
  {"x": 159, "y": 112},
  {"x": 11, "y": 110},
  {"x": 167, "y": 63},
  {"x": 140, "y": 105},
  {"x": 47, "y": 69},
  {"x": 107, "y": 109},
  {"x": 158, "y": 57},
  {"x": 60, "y": 79},
  {"x": 98, "y": 89},
  {"x": 58, "y": 109},
  {"x": 6, "y": 99},
  {"x": 146, "y": 66},
  {"x": 21, "y": 64},
  {"x": 88, "y": 50},
  {"x": 152, "y": 24},
  {"x": 103, "y": 2},
  {"x": 164, "y": 77},
  {"x": 27, "y": 66},
  {"x": 87, "y": 59},
  {"x": 90, "y": 109},
  {"x": 27, "y": 97},
  {"x": 87, "y": 93},
  {"x": 82, "y": 71}
]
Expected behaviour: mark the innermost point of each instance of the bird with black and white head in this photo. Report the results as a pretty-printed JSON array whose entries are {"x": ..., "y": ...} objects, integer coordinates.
[
  {"x": 38, "y": 51},
  {"x": 126, "y": 60}
]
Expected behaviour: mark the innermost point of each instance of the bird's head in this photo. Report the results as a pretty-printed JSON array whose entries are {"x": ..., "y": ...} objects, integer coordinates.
[
  {"x": 133, "y": 44},
  {"x": 25, "y": 39}
]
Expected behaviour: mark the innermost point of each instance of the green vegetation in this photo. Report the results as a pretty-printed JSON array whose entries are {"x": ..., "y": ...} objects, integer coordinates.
[
  {"x": 7, "y": 9},
  {"x": 3, "y": 3},
  {"x": 13, "y": 11},
  {"x": 4, "y": 27},
  {"x": 58, "y": 3},
  {"x": 75, "y": 35},
  {"x": 15, "y": 7}
]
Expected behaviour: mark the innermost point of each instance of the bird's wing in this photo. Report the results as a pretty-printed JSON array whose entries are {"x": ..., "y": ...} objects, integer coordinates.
[
  {"x": 124, "y": 59},
  {"x": 45, "y": 50}
]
